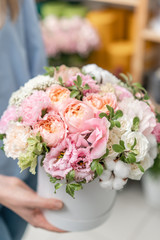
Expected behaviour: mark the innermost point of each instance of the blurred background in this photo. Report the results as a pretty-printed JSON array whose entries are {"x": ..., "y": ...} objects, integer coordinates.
[{"x": 120, "y": 36}]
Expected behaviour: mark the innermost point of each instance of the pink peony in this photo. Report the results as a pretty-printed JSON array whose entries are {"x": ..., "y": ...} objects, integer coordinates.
[
  {"x": 75, "y": 114},
  {"x": 98, "y": 103},
  {"x": 9, "y": 115},
  {"x": 86, "y": 79},
  {"x": 58, "y": 96},
  {"x": 135, "y": 108},
  {"x": 156, "y": 132},
  {"x": 122, "y": 93},
  {"x": 58, "y": 166},
  {"x": 94, "y": 135},
  {"x": 31, "y": 108},
  {"x": 51, "y": 128}
]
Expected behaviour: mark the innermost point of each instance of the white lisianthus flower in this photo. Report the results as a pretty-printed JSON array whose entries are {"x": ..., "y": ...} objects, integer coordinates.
[
  {"x": 136, "y": 173},
  {"x": 126, "y": 125},
  {"x": 101, "y": 75},
  {"x": 15, "y": 142},
  {"x": 153, "y": 151},
  {"x": 40, "y": 82},
  {"x": 142, "y": 144}
]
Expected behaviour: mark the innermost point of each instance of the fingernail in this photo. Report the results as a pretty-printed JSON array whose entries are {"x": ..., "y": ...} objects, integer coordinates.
[{"x": 59, "y": 204}]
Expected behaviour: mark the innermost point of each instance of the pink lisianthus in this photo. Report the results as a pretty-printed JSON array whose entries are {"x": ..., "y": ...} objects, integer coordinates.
[
  {"x": 75, "y": 114},
  {"x": 94, "y": 135},
  {"x": 51, "y": 128},
  {"x": 9, "y": 115},
  {"x": 57, "y": 161},
  {"x": 98, "y": 103},
  {"x": 122, "y": 93},
  {"x": 31, "y": 108},
  {"x": 58, "y": 95},
  {"x": 156, "y": 132},
  {"x": 86, "y": 79},
  {"x": 81, "y": 161}
]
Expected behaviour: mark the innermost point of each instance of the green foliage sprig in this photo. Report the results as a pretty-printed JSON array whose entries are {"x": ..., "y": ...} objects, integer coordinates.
[
  {"x": 136, "y": 89},
  {"x": 49, "y": 71},
  {"x": 35, "y": 148},
  {"x": 127, "y": 156},
  {"x": 112, "y": 117}
]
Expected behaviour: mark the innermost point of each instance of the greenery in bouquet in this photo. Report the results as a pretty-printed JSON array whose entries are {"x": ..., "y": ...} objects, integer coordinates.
[{"x": 81, "y": 124}]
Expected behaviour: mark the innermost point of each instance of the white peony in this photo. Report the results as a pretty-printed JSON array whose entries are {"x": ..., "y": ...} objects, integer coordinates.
[
  {"x": 101, "y": 75},
  {"x": 142, "y": 145},
  {"x": 15, "y": 142},
  {"x": 136, "y": 173}
]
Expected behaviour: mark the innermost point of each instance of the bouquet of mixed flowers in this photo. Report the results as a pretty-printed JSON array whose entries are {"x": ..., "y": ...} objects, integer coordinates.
[
  {"x": 68, "y": 36},
  {"x": 85, "y": 124}
]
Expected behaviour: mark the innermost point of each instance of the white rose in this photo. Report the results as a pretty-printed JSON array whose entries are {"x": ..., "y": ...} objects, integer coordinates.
[
  {"x": 135, "y": 172},
  {"x": 142, "y": 144},
  {"x": 126, "y": 125}
]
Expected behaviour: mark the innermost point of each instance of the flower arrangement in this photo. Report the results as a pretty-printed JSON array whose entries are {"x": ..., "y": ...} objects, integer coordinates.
[
  {"x": 85, "y": 124},
  {"x": 68, "y": 36}
]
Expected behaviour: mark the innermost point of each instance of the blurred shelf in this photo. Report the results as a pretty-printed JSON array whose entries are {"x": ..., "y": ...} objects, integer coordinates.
[
  {"x": 132, "y": 3},
  {"x": 151, "y": 35}
]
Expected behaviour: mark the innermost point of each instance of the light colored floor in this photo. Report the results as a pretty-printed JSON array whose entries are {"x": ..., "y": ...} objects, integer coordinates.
[{"x": 131, "y": 219}]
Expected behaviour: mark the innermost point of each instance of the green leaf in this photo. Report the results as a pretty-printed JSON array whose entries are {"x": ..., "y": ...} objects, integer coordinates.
[
  {"x": 121, "y": 142},
  {"x": 99, "y": 169},
  {"x": 136, "y": 122},
  {"x": 123, "y": 76},
  {"x": 101, "y": 115},
  {"x": 134, "y": 144},
  {"x": 20, "y": 119},
  {"x": 141, "y": 168},
  {"x": 76, "y": 186},
  {"x": 138, "y": 85},
  {"x": 60, "y": 80},
  {"x": 118, "y": 114},
  {"x": 79, "y": 81},
  {"x": 94, "y": 165},
  {"x": 112, "y": 124},
  {"x": 42, "y": 161},
  {"x": 111, "y": 110},
  {"x": 118, "y": 148},
  {"x": 117, "y": 123},
  {"x": 52, "y": 179},
  {"x": 74, "y": 94},
  {"x": 146, "y": 97},
  {"x": 49, "y": 71},
  {"x": 44, "y": 112},
  {"x": 70, "y": 190},
  {"x": 86, "y": 87},
  {"x": 2, "y": 136},
  {"x": 57, "y": 186},
  {"x": 131, "y": 158},
  {"x": 106, "y": 154},
  {"x": 2, "y": 148},
  {"x": 70, "y": 176},
  {"x": 73, "y": 87}
]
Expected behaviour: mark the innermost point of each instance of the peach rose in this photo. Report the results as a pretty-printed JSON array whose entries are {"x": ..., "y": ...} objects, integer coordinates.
[
  {"x": 51, "y": 128},
  {"x": 98, "y": 103},
  {"x": 75, "y": 114},
  {"x": 58, "y": 95}
]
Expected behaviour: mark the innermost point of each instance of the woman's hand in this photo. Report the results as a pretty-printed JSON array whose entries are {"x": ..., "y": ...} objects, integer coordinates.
[{"x": 17, "y": 196}]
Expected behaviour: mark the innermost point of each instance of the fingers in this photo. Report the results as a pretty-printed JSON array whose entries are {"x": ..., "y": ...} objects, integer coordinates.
[
  {"x": 41, "y": 222},
  {"x": 44, "y": 203}
]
